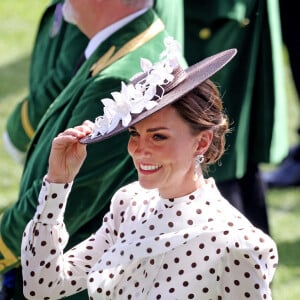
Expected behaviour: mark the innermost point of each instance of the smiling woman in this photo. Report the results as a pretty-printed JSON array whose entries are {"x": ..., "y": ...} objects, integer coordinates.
[
  {"x": 17, "y": 32},
  {"x": 169, "y": 235},
  {"x": 163, "y": 150}
]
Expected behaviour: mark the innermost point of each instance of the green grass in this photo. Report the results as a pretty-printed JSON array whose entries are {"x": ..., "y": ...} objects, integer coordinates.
[
  {"x": 18, "y": 24},
  {"x": 284, "y": 211}
]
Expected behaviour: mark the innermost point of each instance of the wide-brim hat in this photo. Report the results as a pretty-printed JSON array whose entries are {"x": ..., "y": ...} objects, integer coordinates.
[{"x": 183, "y": 82}]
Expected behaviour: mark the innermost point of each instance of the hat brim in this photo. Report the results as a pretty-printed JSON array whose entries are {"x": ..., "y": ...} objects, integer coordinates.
[{"x": 195, "y": 75}]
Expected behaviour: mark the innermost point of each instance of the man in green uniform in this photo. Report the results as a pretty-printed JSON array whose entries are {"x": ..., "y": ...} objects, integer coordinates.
[
  {"x": 253, "y": 91},
  {"x": 112, "y": 56}
]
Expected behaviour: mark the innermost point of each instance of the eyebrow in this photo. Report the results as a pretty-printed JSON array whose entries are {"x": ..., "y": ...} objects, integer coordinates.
[{"x": 152, "y": 129}]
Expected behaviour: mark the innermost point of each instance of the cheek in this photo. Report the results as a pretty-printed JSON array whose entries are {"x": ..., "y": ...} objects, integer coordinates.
[
  {"x": 183, "y": 154},
  {"x": 130, "y": 147}
]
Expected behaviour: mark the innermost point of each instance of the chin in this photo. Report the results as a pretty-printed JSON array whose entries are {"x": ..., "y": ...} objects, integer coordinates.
[{"x": 147, "y": 185}]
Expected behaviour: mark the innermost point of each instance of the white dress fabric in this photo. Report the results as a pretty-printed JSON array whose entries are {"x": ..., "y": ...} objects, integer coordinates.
[{"x": 194, "y": 247}]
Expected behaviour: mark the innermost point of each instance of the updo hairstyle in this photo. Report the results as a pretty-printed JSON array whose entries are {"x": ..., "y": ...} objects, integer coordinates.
[{"x": 202, "y": 109}]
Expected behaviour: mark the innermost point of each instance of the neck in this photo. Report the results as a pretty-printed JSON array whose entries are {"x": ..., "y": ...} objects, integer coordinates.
[
  {"x": 110, "y": 18},
  {"x": 183, "y": 191}
]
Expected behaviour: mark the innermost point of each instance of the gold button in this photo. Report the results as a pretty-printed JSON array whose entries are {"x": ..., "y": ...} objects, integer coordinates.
[
  {"x": 205, "y": 33},
  {"x": 245, "y": 22}
]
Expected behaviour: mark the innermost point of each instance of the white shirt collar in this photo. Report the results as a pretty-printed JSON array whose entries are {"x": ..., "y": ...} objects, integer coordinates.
[{"x": 108, "y": 31}]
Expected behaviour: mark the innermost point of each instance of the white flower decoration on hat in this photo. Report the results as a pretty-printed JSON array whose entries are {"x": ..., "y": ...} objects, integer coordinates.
[{"x": 142, "y": 93}]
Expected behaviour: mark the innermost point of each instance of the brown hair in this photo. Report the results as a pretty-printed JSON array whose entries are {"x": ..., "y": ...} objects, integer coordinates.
[{"x": 202, "y": 109}]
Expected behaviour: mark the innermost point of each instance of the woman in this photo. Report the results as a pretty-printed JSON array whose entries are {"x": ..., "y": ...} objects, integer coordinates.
[{"x": 171, "y": 235}]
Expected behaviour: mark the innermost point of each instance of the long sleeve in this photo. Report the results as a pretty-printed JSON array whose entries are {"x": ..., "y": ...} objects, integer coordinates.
[{"x": 47, "y": 271}]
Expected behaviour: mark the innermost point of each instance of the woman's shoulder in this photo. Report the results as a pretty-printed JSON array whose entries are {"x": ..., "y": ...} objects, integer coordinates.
[{"x": 251, "y": 245}]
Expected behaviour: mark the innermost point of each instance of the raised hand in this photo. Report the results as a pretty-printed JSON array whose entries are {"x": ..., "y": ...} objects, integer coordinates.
[{"x": 67, "y": 154}]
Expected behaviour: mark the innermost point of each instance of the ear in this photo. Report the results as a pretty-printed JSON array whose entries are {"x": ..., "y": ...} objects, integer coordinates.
[{"x": 204, "y": 140}]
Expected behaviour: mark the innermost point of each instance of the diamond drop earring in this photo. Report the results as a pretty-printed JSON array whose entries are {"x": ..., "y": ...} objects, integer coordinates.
[{"x": 198, "y": 161}]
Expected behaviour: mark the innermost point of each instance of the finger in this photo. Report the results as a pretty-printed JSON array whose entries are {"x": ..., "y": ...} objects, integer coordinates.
[
  {"x": 89, "y": 123},
  {"x": 63, "y": 138},
  {"x": 84, "y": 128},
  {"x": 78, "y": 131},
  {"x": 69, "y": 132}
]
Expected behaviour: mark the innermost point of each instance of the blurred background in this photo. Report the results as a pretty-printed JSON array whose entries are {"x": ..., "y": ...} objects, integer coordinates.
[{"x": 18, "y": 24}]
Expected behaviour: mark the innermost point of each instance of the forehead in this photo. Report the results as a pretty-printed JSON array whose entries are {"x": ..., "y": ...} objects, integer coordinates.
[{"x": 167, "y": 116}]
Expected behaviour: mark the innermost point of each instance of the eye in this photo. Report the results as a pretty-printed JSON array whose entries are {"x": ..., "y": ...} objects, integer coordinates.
[
  {"x": 159, "y": 137},
  {"x": 133, "y": 133}
]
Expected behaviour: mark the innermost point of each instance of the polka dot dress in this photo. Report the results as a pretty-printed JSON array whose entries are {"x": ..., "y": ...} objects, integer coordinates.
[{"x": 194, "y": 247}]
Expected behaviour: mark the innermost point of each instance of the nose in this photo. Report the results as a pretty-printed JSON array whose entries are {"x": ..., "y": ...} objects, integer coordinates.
[{"x": 138, "y": 148}]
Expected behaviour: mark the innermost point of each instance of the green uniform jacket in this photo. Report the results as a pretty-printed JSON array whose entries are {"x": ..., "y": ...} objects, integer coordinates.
[
  {"x": 108, "y": 165},
  {"x": 252, "y": 85},
  {"x": 57, "y": 49}
]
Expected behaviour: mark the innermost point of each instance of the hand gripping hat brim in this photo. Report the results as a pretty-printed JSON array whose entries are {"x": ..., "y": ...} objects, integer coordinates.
[{"x": 193, "y": 76}]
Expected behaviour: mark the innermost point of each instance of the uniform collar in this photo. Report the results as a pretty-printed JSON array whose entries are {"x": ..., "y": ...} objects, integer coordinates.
[{"x": 108, "y": 31}]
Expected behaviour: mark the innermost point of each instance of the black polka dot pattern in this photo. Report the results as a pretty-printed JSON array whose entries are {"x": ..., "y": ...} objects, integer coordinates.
[{"x": 193, "y": 247}]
